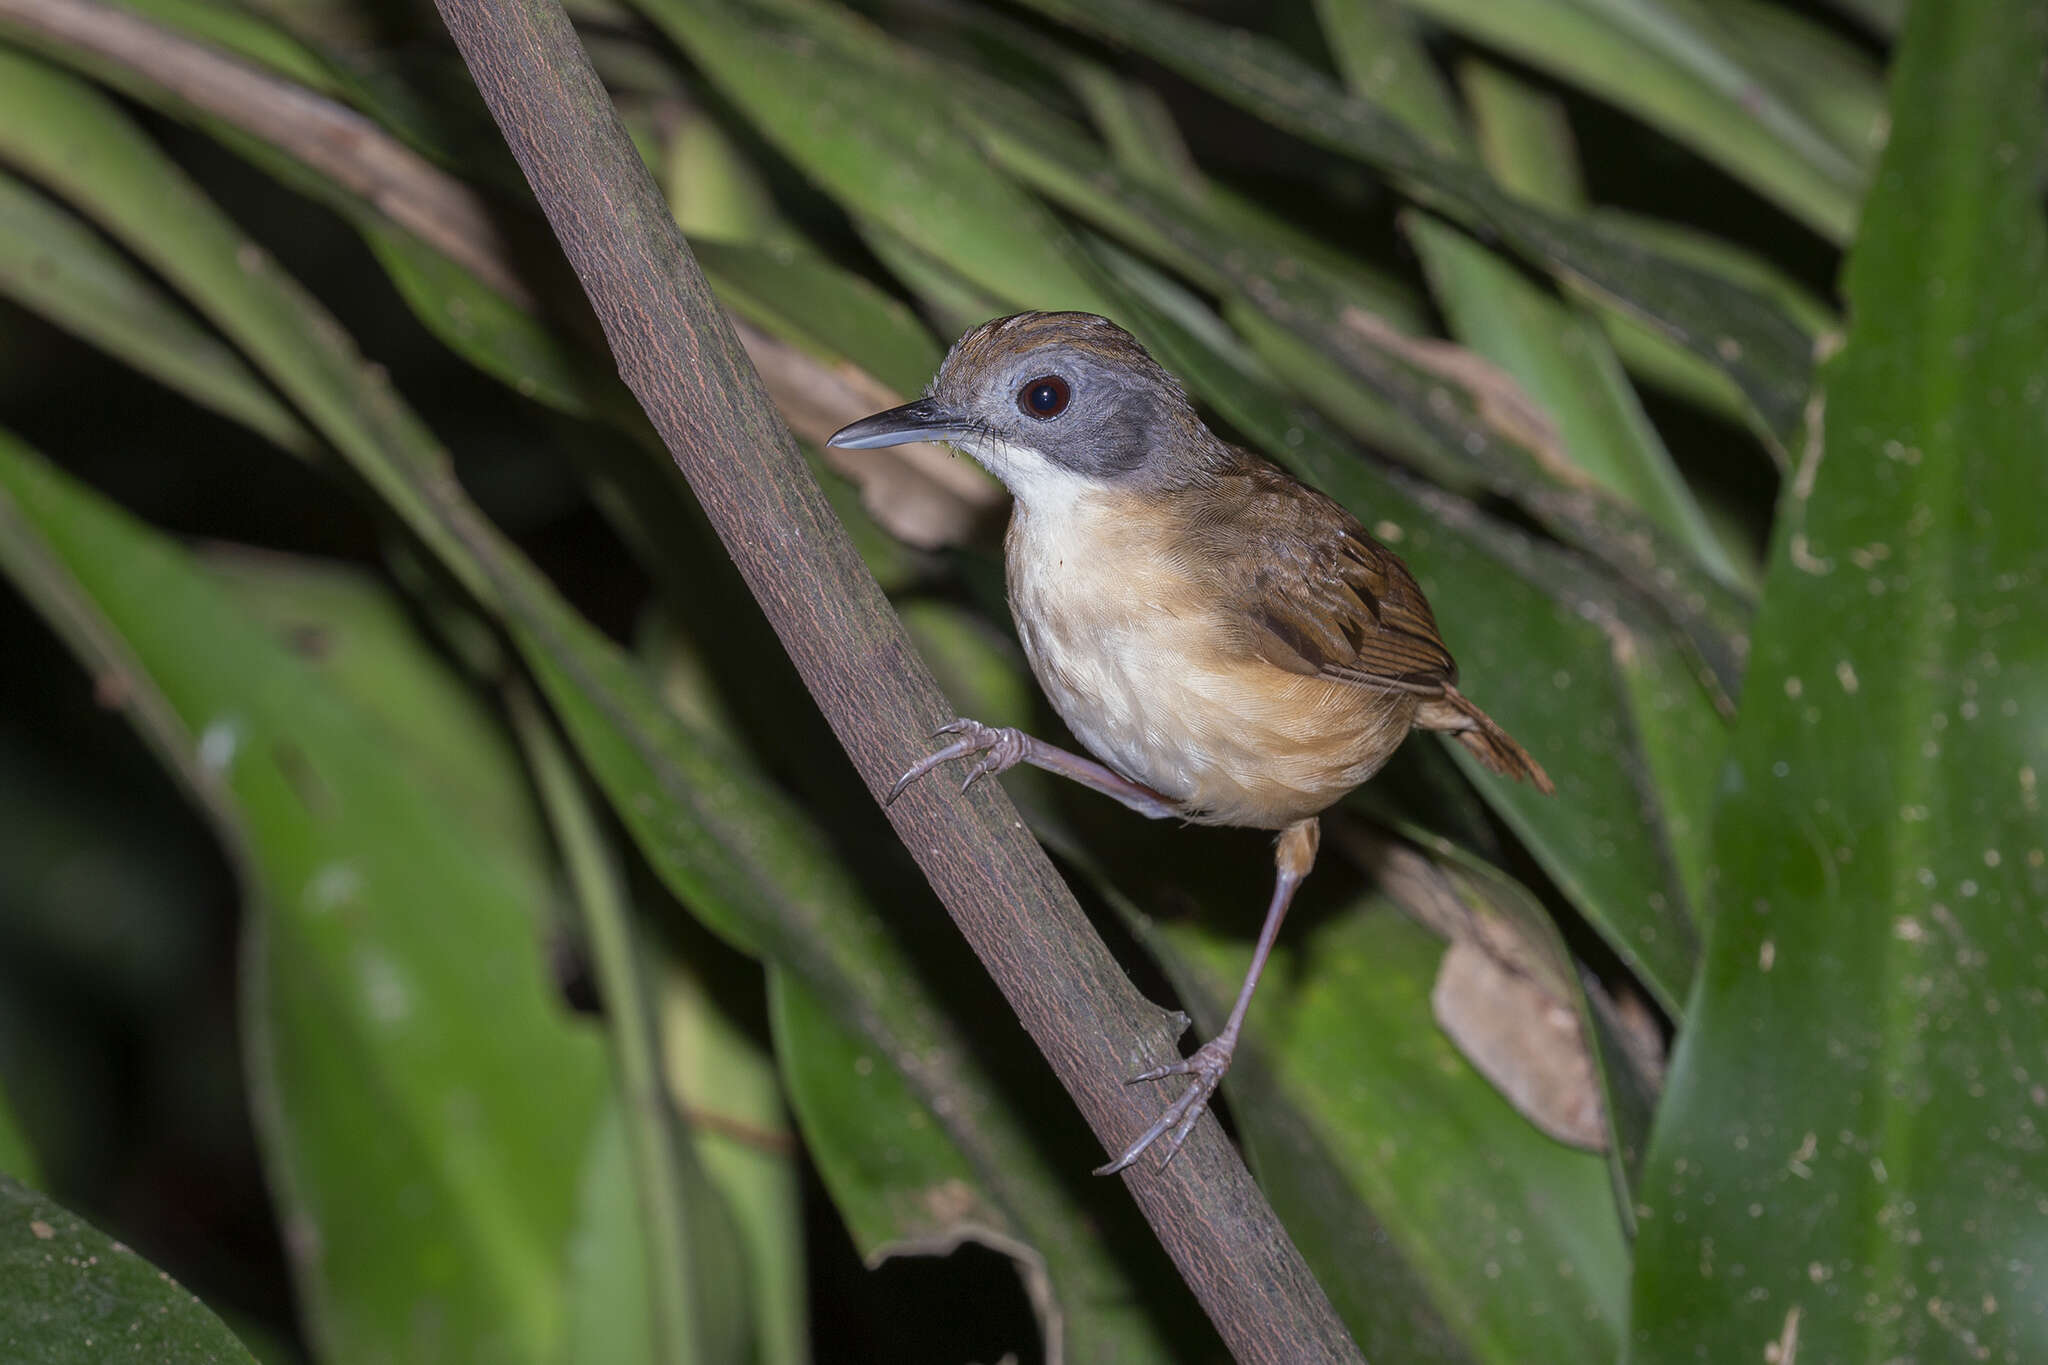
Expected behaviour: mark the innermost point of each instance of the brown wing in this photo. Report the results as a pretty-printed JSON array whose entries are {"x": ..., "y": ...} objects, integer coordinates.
[{"x": 1316, "y": 594}]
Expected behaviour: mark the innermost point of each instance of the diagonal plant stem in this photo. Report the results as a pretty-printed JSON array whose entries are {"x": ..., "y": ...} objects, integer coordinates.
[{"x": 682, "y": 360}]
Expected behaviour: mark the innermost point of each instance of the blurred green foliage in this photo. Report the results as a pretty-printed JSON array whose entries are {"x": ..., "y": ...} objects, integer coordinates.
[{"x": 435, "y": 926}]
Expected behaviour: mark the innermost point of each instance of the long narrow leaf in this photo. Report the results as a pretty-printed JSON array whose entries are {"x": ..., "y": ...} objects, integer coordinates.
[
  {"x": 395, "y": 997},
  {"x": 1673, "y": 65},
  {"x": 1552, "y": 346},
  {"x": 1729, "y": 327},
  {"x": 857, "y": 143},
  {"x": 56, "y": 265},
  {"x": 1848, "y": 1165}
]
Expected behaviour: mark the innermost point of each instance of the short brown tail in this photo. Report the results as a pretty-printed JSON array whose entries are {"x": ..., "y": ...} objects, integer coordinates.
[{"x": 1489, "y": 743}]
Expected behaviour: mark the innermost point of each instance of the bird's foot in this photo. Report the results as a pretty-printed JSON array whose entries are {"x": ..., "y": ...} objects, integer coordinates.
[
  {"x": 1001, "y": 749},
  {"x": 1205, "y": 1070}
]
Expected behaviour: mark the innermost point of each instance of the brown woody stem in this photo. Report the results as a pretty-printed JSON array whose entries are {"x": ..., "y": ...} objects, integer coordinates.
[{"x": 679, "y": 355}]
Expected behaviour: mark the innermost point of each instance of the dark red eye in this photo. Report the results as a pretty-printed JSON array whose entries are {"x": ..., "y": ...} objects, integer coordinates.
[{"x": 1045, "y": 396}]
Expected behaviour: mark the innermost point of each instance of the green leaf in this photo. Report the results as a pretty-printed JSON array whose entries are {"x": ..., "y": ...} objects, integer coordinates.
[
  {"x": 1033, "y": 143},
  {"x": 715, "y": 192},
  {"x": 1135, "y": 123},
  {"x": 1179, "y": 219},
  {"x": 72, "y": 138},
  {"x": 1526, "y": 144},
  {"x": 422, "y": 94},
  {"x": 1551, "y": 346},
  {"x": 1504, "y": 988},
  {"x": 1729, "y": 327},
  {"x": 1563, "y": 361},
  {"x": 503, "y": 336},
  {"x": 1849, "y": 1161},
  {"x": 1674, "y": 64},
  {"x": 905, "y": 1189},
  {"x": 1731, "y": 261},
  {"x": 491, "y": 322},
  {"x": 58, "y": 266},
  {"x": 913, "y": 1194},
  {"x": 1525, "y": 136},
  {"x": 885, "y": 150},
  {"x": 1834, "y": 80},
  {"x": 807, "y": 300},
  {"x": 70, "y": 1293},
  {"x": 1379, "y": 54},
  {"x": 950, "y": 299},
  {"x": 477, "y": 300},
  {"x": 422, "y": 1174},
  {"x": 366, "y": 646}
]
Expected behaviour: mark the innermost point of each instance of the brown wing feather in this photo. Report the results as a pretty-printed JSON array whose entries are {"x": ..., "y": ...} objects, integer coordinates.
[{"x": 1319, "y": 597}]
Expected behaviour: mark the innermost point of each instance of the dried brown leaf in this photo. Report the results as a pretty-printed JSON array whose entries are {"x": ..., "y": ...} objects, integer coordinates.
[{"x": 1524, "y": 1040}]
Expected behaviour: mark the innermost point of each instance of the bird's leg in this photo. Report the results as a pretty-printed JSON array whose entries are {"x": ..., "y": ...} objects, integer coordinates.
[
  {"x": 1294, "y": 857},
  {"x": 1005, "y": 748}
]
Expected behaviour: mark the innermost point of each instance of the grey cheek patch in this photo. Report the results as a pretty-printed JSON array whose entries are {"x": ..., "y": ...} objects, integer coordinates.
[{"x": 1115, "y": 440}]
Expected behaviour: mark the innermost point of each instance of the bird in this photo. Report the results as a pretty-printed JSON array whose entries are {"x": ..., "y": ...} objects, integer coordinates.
[{"x": 1231, "y": 645}]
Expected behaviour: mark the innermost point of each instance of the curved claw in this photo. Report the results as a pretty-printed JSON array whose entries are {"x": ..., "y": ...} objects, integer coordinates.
[
  {"x": 1004, "y": 749},
  {"x": 1178, "y": 1120},
  {"x": 991, "y": 762},
  {"x": 1181, "y": 1117},
  {"x": 957, "y": 749},
  {"x": 1160, "y": 1073}
]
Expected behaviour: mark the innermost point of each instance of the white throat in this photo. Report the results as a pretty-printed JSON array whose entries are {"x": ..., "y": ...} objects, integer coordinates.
[{"x": 1049, "y": 489}]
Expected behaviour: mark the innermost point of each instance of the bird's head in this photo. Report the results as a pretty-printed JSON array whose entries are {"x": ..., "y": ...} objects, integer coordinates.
[{"x": 1051, "y": 402}]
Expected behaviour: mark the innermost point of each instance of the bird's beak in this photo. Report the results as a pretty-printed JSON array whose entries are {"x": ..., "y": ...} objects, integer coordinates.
[{"x": 924, "y": 420}]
